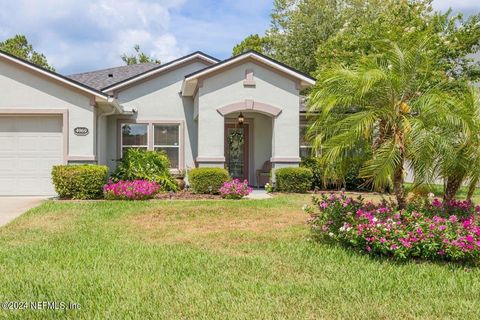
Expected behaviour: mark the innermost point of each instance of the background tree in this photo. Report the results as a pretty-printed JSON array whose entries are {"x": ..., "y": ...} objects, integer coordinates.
[
  {"x": 312, "y": 35},
  {"x": 453, "y": 38},
  {"x": 19, "y": 47},
  {"x": 300, "y": 27},
  {"x": 253, "y": 42},
  {"x": 138, "y": 57}
]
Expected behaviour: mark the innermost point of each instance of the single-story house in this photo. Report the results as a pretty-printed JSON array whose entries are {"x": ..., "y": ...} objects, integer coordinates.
[{"x": 192, "y": 108}]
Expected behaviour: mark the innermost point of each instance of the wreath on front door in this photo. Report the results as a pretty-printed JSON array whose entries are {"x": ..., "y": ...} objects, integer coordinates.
[{"x": 235, "y": 141}]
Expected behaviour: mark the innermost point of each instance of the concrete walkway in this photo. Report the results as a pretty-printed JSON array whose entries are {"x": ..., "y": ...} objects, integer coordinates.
[
  {"x": 258, "y": 194},
  {"x": 13, "y": 207}
]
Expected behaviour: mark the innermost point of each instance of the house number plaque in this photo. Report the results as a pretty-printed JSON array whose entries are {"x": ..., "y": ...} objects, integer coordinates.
[{"x": 80, "y": 131}]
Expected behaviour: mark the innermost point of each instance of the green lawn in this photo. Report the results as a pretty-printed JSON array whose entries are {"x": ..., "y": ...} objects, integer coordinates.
[
  {"x": 437, "y": 189},
  {"x": 211, "y": 260}
]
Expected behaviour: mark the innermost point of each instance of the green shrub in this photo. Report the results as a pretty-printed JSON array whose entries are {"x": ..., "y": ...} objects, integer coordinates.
[
  {"x": 139, "y": 164},
  {"x": 342, "y": 175},
  {"x": 313, "y": 164},
  {"x": 298, "y": 180},
  {"x": 207, "y": 180},
  {"x": 353, "y": 182},
  {"x": 79, "y": 181}
]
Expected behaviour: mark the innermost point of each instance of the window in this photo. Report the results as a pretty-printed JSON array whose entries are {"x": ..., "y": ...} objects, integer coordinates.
[
  {"x": 166, "y": 138},
  {"x": 305, "y": 146},
  {"x": 134, "y": 135}
]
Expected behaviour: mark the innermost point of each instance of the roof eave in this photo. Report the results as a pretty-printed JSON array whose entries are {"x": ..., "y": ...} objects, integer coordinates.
[
  {"x": 190, "y": 82},
  {"x": 54, "y": 75},
  {"x": 161, "y": 68}
]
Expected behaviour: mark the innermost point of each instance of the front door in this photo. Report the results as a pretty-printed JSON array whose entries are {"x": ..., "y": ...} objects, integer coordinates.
[{"x": 236, "y": 150}]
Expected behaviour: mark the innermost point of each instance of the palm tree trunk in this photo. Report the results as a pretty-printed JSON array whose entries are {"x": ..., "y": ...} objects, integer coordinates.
[
  {"x": 453, "y": 184},
  {"x": 382, "y": 133},
  {"x": 471, "y": 188},
  {"x": 399, "y": 188},
  {"x": 398, "y": 174}
]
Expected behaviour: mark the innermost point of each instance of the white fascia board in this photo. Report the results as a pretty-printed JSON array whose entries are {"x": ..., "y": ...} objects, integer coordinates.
[
  {"x": 258, "y": 58},
  {"x": 54, "y": 76},
  {"x": 158, "y": 70}
]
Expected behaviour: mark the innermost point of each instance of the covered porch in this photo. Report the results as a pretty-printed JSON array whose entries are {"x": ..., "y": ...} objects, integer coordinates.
[{"x": 251, "y": 138}]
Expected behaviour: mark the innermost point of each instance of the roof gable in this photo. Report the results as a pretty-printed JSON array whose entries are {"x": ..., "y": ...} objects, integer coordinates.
[
  {"x": 161, "y": 68},
  {"x": 191, "y": 80},
  {"x": 52, "y": 75}
]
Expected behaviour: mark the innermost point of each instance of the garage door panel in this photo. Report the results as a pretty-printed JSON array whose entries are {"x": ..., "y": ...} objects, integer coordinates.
[
  {"x": 28, "y": 152},
  {"x": 7, "y": 142}
]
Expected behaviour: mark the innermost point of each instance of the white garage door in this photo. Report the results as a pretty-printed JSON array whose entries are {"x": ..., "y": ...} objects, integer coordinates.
[{"x": 29, "y": 147}]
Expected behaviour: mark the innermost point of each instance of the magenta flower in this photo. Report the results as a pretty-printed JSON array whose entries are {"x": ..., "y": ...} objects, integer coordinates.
[
  {"x": 235, "y": 189},
  {"x": 131, "y": 190}
]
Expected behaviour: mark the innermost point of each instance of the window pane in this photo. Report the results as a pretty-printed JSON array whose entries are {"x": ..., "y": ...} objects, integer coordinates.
[
  {"x": 166, "y": 134},
  {"x": 124, "y": 149},
  {"x": 134, "y": 134},
  {"x": 303, "y": 131},
  {"x": 305, "y": 152},
  {"x": 172, "y": 154}
]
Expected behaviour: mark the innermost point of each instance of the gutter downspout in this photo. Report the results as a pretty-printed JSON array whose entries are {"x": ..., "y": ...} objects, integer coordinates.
[{"x": 115, "y": 108}]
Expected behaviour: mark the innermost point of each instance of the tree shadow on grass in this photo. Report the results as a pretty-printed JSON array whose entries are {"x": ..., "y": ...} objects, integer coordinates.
[{"x": 466, "y": 266}]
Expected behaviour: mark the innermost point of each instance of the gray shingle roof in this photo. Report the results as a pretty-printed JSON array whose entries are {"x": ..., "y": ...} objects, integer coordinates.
[{"x": 100, "y": 79}]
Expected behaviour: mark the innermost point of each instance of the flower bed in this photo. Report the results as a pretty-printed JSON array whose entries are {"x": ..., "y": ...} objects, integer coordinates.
[
  {"x": 131, "y": 190},
  {"x": 434, "y": 232},
  {"x": 235, "y": 189}
]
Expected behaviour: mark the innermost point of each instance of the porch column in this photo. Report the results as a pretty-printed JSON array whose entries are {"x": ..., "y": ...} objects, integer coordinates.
[
  {"x": 210, "y": 138},
  {"x": 285, "y": 139}
]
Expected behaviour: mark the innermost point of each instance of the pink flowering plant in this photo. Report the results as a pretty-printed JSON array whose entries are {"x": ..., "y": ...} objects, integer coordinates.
[
  {"x": 235, "y": 189},
  {"x": 381, "y": 230},
  {"x": 131, "y": 190},
  {"x": 459, "y": 208}
]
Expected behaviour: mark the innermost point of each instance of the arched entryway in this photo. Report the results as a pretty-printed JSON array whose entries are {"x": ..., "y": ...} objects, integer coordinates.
[{"x": 248, "y": 143}]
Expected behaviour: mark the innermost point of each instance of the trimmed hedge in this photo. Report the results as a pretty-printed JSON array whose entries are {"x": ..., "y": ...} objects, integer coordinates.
[
  {"x": 207, "y": 180},
  {"x": 297, "y": 180},
  {"x": 79, "y": 181}
]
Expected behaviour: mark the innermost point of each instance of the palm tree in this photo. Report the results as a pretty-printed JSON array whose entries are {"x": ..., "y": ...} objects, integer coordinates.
[
  {"x": 458, "y": 160},
  {"x": 387, "y": 101}
]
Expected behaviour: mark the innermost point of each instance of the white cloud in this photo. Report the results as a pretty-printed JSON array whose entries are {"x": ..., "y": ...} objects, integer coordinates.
[
  {"x": 83, "y": 35},
  {"x": 465, "y": 6}
]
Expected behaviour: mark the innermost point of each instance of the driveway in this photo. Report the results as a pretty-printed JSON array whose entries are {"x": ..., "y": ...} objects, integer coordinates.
[{"x": 12, "y": 207}]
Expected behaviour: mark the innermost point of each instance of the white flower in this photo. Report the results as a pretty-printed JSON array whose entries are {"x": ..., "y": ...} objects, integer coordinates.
[
  {"x": 341, "y": 229},
  {"x": 374, "y": 219},
  {"x": 349, "y": 228},
  {"x": 431, "y": 195},
  {"x": 330, "y": 234}
]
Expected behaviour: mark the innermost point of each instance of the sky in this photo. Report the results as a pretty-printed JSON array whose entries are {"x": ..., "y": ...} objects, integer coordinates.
[{"x": 84, "y": 35}]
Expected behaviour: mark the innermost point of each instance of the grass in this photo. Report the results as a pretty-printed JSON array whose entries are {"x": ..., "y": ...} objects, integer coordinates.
[
  {"x": 437, "y": 189},
  {"x": 211, "y": 260}
]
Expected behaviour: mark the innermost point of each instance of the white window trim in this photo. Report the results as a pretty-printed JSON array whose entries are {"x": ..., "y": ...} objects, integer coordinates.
[{"x": 150, "y": 138}]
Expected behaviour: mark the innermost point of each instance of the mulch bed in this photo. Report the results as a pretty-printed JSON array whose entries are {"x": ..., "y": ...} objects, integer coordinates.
[{"x": 186, "y": 195}]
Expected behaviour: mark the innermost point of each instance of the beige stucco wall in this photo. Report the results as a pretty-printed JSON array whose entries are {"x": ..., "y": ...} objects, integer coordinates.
[
  {"x": 159, "y": 99},
  {"x": 23, "y": 89},
  {"x": 227, "y": 87}
]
